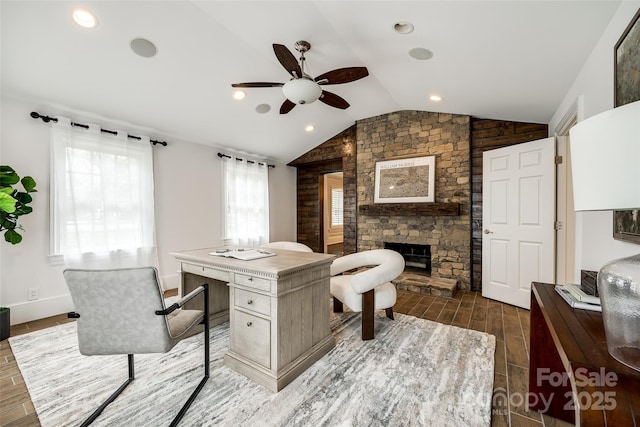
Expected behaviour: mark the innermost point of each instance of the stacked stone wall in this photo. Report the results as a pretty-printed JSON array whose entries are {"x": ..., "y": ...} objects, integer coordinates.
[{"x": 414, "y": 134}]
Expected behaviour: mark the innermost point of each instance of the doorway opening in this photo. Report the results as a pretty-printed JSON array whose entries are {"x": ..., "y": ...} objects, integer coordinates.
[{"x": 332, "y": 213}]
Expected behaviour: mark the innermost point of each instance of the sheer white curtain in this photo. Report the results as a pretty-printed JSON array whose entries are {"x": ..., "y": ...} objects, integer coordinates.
[
  {"x": 102, "y": 198},
  {"x": 246, "y": 201}
]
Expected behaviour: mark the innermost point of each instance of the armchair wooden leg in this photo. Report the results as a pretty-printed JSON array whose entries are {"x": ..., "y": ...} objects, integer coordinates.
[
  {"x": 389, "y": 312},
  {"x": 337, "y": 305},
  {"x": 368, "y": 305}
]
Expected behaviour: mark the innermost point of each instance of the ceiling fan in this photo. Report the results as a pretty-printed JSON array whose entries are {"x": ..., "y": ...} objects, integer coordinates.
[{"x": 302, "y": 88}]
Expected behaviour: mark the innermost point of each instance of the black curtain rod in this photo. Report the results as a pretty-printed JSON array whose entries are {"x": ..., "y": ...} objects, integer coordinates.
[
  {"x": 221, "y": 155},
  {"x": 48, "y": 119}
]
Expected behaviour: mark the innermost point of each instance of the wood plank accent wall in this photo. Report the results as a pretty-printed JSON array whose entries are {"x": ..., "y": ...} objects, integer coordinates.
[
  {"x": 487, "y": 134},
  {"x": 336, "y": 154}
]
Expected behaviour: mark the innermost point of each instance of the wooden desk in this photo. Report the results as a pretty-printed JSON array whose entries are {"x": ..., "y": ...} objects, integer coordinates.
[
  {"x": 278, "y": 309},
  {"x": 571, "y": 368}
]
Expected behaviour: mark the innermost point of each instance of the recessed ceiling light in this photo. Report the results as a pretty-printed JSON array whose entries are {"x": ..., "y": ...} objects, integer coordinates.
[
  {"x": 420, "y": 53},
  {"x": 436, "y": 98},
  {"x": 403, "y": 27},
  {"x": 239, "y": 94},
  {"x": 309, "y": 128},
  {"x": 263, "y": 108},
  {"x": 143, "y": 47},
  {"x": 84, "y": 18}
]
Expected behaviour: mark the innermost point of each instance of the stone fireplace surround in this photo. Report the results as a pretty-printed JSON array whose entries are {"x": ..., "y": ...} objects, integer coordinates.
[{"x": 412, "y": 134}]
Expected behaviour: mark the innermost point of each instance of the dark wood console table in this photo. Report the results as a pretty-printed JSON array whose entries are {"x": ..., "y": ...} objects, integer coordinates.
[{"x": 571, "y": 374}]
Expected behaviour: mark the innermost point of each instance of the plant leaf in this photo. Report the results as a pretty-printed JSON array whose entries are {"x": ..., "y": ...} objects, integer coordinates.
[
  {"x": 23, "y": 198},
  {"x": 7, "y": 203},
  {"x": 12, "y": 237},
  {"x": 29, "y": 184}
]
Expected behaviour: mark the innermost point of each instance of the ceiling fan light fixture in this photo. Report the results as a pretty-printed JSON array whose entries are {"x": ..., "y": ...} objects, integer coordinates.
[{"x": 302, "y": 90}]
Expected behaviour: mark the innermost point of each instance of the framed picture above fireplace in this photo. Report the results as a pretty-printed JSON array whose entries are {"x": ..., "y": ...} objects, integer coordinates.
[{"x": 409, "y": 180}]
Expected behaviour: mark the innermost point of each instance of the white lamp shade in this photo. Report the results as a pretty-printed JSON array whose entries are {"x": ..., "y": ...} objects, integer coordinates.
[
  {"x": 605, "y": 160},
  {"x": 302, "y": 91}
]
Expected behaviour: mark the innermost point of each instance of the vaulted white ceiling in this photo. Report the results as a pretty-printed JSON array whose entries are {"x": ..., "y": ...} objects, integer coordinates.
[{"x": 511, "y": 60}]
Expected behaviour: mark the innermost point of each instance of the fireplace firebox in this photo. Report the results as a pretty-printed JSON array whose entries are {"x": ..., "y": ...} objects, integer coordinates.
[{"x": 417, "y": 257}]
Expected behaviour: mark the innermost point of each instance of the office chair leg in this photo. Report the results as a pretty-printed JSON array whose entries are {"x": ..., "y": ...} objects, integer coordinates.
[
  {"x": 115, "y": 394},
  {"x": 368, "y": 309},
  {"x": 195, "y": 392}
]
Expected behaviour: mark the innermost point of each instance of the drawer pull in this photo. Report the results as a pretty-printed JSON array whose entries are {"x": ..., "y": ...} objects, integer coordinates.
[
  {"x": 250, "y": 302},
  {"x": 249, "y": 324}
]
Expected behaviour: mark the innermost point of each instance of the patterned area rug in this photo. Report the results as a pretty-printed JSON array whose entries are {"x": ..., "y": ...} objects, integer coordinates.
[{"x": 414, "y": 373}]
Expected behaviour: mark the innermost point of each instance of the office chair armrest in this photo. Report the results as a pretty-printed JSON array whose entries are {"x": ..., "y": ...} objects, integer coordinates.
[{"x": 185, "y": 299}]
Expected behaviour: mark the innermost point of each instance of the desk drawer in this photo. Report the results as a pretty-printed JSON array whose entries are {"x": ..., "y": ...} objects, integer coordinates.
[
  {"x": 253, "y": 282},
  {"x": 252, "y": 301},
  {"x": 206, "y": 272},
  {"x": 251, "y": 338}
]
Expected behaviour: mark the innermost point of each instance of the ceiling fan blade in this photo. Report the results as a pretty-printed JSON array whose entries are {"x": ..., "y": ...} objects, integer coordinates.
[
  {"x": 287, "y": 60},
  {"x": 333, "y": 100},
  {"x": 342, "y": 75},
  {"x": 257, "y": 84},
  {"x": 286, "y": 106}
]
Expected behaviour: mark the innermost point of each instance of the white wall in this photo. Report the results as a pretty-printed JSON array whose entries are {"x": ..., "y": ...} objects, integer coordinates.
[
  {"x": 188, "y": 209},
  {"x": 593, "y": 89}
]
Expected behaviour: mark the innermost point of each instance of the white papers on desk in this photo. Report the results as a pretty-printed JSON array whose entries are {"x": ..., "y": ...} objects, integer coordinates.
[
  {"x": 243, "y": 254},
  {"x": 575, "y": 303},
  {"x": 581, "y": 295}
]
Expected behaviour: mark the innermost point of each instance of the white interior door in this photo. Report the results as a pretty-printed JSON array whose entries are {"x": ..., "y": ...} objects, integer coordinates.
[{"x": 518, "y": 212}]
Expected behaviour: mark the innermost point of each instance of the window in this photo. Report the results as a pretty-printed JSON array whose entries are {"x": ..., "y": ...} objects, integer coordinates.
[
  {"x": 102, "y": 197},
  {"x": 246, "y": 202},
  {"x": 336, "y": 207}
]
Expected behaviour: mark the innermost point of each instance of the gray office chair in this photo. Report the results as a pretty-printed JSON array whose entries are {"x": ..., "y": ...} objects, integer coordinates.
[{"x": 122, "y": 311}]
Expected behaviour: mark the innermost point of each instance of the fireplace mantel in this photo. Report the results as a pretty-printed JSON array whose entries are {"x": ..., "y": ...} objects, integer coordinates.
[{"x": 411, "y": 209}]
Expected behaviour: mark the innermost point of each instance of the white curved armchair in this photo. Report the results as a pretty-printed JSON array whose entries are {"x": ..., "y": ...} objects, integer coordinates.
[
  {"x": 289, "y": 246},
  {"x": 368, "y": 290}
]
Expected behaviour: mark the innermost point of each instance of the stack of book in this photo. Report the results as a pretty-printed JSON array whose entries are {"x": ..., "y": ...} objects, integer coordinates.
[{"x": 577, "y": 298}]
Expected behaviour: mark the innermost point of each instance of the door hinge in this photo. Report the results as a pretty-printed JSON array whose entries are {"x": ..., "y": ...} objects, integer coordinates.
[
  {"x": 558, "y": 160},
  {"x": 557, "y": 225}
]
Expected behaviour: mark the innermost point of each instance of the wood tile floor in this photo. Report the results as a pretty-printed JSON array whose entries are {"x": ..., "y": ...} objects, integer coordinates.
[{"x": 470, "y": 310}]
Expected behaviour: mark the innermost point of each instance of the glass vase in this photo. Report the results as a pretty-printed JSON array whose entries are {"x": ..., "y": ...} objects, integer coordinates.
[{"x": 619, "y": 289}]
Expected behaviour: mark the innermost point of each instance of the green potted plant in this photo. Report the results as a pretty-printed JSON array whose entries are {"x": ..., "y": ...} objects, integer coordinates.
[{"x": 13, "y": 204}]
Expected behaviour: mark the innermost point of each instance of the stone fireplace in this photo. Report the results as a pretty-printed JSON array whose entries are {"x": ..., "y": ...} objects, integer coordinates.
[{"x": 412, "y": 134}]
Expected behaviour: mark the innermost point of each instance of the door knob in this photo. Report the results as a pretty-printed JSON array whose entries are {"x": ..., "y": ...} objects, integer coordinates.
[{"x": 487, "y": 231}]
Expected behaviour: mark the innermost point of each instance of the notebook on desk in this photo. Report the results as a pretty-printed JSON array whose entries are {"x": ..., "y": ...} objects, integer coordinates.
[{"x": 243, "y": 254}]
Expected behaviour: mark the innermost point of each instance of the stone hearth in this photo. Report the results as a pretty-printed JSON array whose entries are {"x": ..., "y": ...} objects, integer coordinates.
[{"x": 426, "y": 285}]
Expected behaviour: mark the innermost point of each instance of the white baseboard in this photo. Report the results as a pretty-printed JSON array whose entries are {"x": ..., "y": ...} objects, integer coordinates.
[
  {"x": 170, "y": 281},
  {"x": 39, "y": 309}
]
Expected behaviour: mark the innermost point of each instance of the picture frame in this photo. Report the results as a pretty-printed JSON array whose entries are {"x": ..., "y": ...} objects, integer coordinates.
[
  {"x": 627, "y": 64},
  {"x": 626, "y": 225},
  {"x": 406, "y": 180}
]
